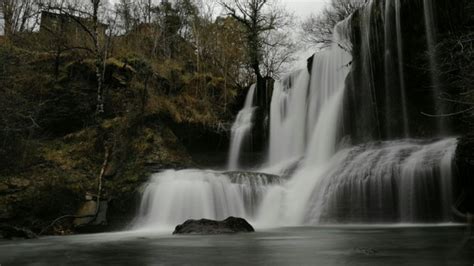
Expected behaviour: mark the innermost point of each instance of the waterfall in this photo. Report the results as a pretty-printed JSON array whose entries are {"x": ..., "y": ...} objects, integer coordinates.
[
  {"x": 433, "y": 60},
  {"x": 394, "y": 62},
  {"x": 324, "y": 177},
  {"x": 305, "y": 108},
  {"x": 393, "y": 181},
  {"x": 288, "y": 118},
  {"x": 401, "y": 74},
  {"x": 172, "y": 197},
  {"x": 241, "y": 129},
  {"x": 381, "y": 43}
]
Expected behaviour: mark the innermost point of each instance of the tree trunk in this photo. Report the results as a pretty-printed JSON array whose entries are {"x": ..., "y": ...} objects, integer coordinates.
[
  {"x": 7, "y": 10},
  {"x": 98, "y": 55}
]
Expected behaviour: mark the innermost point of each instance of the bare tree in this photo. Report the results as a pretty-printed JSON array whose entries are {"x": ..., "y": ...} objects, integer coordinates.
[
  {"x": 279, "y": 51},
  {"x": 258, "y": 17},
  {"x": 125, "y": 10},
  {"x": 99, "y": 56},
  {"x": 16, "y": 15},
  {"x": 87, "y": 17},
  {"x": 318, "y": 29}
]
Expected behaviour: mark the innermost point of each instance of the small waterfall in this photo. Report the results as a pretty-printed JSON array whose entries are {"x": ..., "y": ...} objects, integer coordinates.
[
  {"x": 394, "y": 181},
  {"x": 381, "y": 43},
  {"x": 394, "y": 62},
  {"x": 430, "y": 27},
  {"x": 288, "y": 118},
  {"x": 241, "y": 129},
  {"x": 318, "y": 129},
  {"x": 401, "y": 73},
  {"x": 172, "y": 197},
  {"x": 391, "y": 92},
  {"x": 305, "y": 109}
]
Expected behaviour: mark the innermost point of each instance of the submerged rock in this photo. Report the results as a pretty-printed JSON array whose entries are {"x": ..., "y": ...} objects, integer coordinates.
[{"x": 230, "y": 225}]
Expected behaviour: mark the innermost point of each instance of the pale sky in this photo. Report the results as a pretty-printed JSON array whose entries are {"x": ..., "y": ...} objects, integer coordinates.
[{"x": 302, "y": 8}]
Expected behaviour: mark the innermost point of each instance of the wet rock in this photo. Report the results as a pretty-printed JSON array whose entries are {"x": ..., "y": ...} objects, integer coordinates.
[
  {"x": 13, "y": 232},
  {"x": 87, "y": 221},
  {"x": 243, "y": 177},
  {"x": 230, "y": 225}
]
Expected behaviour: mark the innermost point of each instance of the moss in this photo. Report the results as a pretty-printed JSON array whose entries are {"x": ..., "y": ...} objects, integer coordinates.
[
  {"x": 67, "y": 148},
  {"x": 70, "y": 166}
]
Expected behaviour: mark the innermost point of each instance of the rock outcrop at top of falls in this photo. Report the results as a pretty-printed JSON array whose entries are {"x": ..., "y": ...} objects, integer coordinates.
[
  {"x": 240, "y": 177},
  {"x": 230, "y": 225}
]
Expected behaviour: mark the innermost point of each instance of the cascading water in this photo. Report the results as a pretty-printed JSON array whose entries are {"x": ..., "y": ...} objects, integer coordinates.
[
  {"x": 381, "y": 44},
  {"x": 172, "y": 197},
  {"x": 394, "y": 57},
  {"x": 241, "y": 129},
  {"x": 433, "y": 60},
  {"x": 305, "y": 109},
  {"x": 394, "y": 181},
  {"x": 288, "y": 119},
  {"x": 325, "y": 179}
]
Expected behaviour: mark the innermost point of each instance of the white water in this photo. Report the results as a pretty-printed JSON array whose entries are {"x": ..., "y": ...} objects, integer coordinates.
[
  {"x": 402, "y": 181},
  {"x": 394, "y": 57},
  {"x": 305, "y": 109},
  {"x": 241, "y": 129},
  {"x": 172, "y": 197},
  {"x": 433, "y": 60}
]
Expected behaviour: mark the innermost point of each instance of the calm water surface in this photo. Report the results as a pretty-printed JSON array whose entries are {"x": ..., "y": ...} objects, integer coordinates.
[{"x": 348, "y": 245}]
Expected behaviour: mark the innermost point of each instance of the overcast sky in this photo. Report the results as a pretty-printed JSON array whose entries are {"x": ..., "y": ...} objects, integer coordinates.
[{"x": 302, "y": 8}]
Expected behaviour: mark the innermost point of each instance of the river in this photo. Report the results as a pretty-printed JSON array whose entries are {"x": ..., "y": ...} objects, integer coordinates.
[{"x": 322, "y": 245}]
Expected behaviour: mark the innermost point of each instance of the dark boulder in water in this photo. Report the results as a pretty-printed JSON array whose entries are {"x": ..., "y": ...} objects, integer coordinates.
[{"x": 230, "y": 225}]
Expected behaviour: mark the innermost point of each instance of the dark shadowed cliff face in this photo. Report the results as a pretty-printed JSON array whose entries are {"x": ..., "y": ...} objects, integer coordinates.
[
  {"x": 464, "y": 160},
  {"x": 394, "y": 89}
]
